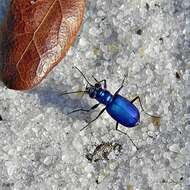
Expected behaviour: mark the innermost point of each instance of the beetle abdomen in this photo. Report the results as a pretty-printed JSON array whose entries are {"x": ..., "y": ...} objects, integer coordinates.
[{"x": 123, "y": 111}]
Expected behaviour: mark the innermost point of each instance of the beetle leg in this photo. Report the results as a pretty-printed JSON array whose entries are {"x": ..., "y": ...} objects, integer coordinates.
[
  {"x": 138, "y": 98},
  {"x": 116, "y": 127},
  {"x": 86, "y": 110},
  {"x": 122, "y": 84},
  {"x": 117, "y": 92},
  {"x": 101, "y": 112},
  {"x": 104, "y": 81}
]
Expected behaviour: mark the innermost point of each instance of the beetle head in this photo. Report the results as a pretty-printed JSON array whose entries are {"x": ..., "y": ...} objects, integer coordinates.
[{"x": 92, "y": 90}]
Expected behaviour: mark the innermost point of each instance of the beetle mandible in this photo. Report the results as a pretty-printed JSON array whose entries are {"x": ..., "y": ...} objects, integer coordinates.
[{"x": 122, "y": 110}]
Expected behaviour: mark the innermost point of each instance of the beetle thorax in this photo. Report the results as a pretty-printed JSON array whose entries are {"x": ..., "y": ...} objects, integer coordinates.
[{"x": 101, "y": 95}]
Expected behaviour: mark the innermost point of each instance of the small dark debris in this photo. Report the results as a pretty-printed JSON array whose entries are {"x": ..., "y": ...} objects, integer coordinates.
[
  {"x": 89, "y": 157},
  {"x": 147, "y": 6},
  {"x": 139, "y": 32},
  {"x": 161, "y": 39},
  {"x": 181, "y": 178},
  {"x": 97, "y": 182},
  {"x": 177, "y": 75},
  {"x": 1, "y": 119},
  {"x": 7, "y": 184},
  {"x": 157, "y": 5},
  {"x": 102, "y": 151},
  {"x": 103, "y": 18}
]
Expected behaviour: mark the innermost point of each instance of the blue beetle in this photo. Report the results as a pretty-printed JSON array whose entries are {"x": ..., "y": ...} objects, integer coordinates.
[{"x": 122, "y": 110}]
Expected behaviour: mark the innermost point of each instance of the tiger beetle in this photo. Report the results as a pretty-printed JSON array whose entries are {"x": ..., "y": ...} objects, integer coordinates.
[{"x": 122, "y": 110}]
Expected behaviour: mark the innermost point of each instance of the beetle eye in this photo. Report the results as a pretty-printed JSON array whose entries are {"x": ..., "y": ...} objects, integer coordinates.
[
  {"x": 92, "y": 92},
  {"x": 97, "y": 85}
]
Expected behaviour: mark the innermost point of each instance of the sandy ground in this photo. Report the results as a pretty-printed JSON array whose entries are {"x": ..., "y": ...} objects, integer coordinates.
[{"x": 42, "y": 148}]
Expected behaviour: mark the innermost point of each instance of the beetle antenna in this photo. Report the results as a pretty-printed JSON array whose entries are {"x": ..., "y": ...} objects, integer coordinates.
[
  {"x": 82, "y": 75},
  {"x": 84, "y": 91}
]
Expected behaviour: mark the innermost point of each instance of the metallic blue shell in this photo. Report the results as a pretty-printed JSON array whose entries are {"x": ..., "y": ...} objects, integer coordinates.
[
  {"x": 104, "y": 97},
  {"x": 123, "y": 111}
]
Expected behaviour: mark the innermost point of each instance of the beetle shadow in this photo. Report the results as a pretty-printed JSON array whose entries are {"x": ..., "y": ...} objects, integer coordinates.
[{"x": 52, "y": 97}]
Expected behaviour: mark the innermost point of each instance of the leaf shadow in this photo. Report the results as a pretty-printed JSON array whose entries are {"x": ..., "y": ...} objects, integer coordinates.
[
  {"x": 52, "y": 97},
  {"x": 4, "y": 7}
]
